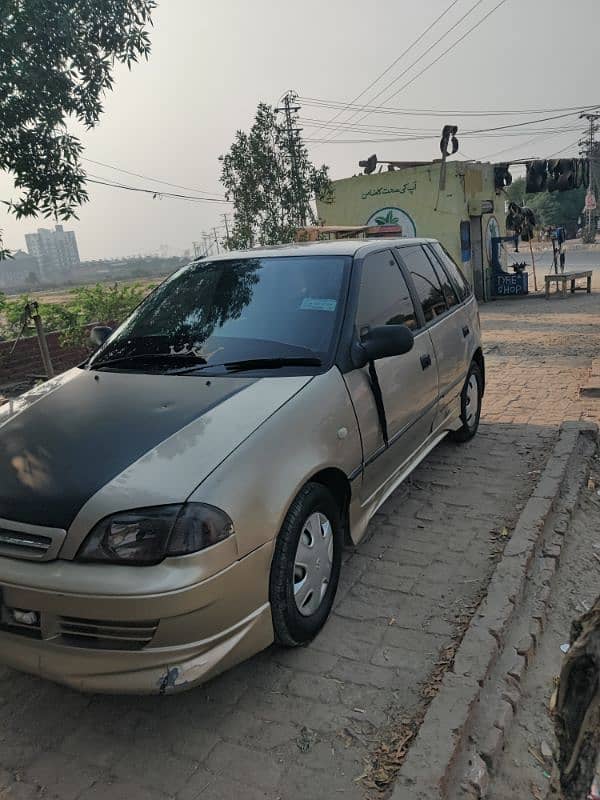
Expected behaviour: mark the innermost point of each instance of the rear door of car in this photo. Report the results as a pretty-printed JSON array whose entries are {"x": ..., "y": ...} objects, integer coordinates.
[
  {"x": 442, "y": 318},
  {"x": 408, "y": 383},
  {"x": 469, "y": 321}
]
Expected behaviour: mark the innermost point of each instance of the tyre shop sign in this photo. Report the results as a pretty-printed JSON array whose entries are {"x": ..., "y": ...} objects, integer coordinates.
[{"x": 511, "y": 284}]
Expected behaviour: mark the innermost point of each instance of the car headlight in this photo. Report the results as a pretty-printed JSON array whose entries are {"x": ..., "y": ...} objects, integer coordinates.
[{"x": 148, "y": 535}]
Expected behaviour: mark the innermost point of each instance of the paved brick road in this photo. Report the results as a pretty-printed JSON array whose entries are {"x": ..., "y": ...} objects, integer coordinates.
[{"x": 304, "y": 723}]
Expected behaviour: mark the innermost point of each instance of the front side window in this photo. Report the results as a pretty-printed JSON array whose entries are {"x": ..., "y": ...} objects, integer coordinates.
[
  {"x": 384, "y": 298},
  {"x": 426, "y": 282},
  {"x": 231, "y": 310},
  {"x": 456, "y": 276}
]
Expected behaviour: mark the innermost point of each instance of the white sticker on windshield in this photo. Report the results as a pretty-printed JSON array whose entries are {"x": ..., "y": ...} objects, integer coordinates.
[{"x": 318, "y": 304}]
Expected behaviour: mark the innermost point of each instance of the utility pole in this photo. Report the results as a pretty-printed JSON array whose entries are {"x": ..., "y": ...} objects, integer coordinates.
[
  {"x": 216, "y": 240},
  {"x": 590, "y": 151},
  {"x": 289, "y": 107},
  {"x": 226, "y": 230},
  {"x": 205, "y": 238}
]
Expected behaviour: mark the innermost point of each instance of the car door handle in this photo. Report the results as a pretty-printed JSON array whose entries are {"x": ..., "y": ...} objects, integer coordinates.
[
  {"x": 466, "y": 330},
  {"x": 426, "y": 361}
]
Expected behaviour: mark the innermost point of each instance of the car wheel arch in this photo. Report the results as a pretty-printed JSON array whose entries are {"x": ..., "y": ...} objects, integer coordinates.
[
  {"x": 336, "y": 481},
  {"x": 338, "y": 484}
]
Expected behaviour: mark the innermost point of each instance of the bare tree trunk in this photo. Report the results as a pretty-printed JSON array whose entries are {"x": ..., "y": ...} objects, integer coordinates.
[{"x": 577, "y": 716}]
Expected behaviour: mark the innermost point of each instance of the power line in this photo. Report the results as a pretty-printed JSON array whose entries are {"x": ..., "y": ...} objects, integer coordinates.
[
  {"x": 444, "y": 53},
  {"x": 524, "y": 144},
  {"x": 147, "y": 177},
  {"x": 521, "y": 124},
  {"x": 424, "y": 112},
  {"x": 430, "y": 138},
  {"x": 433, "y": 132},
  {"x": 393, "y": 64},
  {"x": 416, "y": 61},
  {"x": 155, "y": 192},
  {"x": 477, "y": 131},
  {"x": 562, "y": 150}
]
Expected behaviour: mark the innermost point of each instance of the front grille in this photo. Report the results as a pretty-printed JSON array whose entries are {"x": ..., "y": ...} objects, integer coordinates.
[
  {"x": 106, "y": 635},
  {"x": 32, "y": 542},
  {"x": 24, "y": 544}
]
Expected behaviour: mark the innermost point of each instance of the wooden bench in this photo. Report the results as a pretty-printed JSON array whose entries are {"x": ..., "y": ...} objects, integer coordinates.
[{"x": 563, "y": 277}]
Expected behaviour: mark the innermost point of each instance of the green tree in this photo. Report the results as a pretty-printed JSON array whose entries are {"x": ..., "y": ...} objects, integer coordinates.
[
  {"x": 270, "y": 179},
  {"x": 56, "y": 64},
  {"x": 550, "y": 208}
]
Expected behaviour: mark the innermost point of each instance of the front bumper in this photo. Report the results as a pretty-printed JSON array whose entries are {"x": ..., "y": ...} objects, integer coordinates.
[{"x": 136, "y": 643}]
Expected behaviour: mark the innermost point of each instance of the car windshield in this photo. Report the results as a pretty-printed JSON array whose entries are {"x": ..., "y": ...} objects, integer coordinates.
[{"x": 225, "y": 311}]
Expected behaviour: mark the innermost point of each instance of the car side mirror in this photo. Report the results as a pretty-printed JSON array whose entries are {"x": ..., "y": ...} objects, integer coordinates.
[
  {"x": 382, "y": 342},
  {"x": 99, "y": 334}
]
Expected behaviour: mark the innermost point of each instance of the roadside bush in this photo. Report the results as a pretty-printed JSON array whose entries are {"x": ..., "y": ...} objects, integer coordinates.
[{"x": 86, "y": 304}]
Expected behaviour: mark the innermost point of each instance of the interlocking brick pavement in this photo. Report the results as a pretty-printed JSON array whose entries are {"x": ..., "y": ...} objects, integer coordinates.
[{"x": 305, "y": 722}]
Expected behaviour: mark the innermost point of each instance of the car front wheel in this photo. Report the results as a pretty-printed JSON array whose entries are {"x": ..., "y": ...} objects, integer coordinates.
[
  {"x": 306, "y": 566},
  {"x": 470, "y": 405}
]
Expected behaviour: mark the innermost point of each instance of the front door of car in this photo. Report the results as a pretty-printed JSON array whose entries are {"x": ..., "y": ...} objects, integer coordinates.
[{"x": 408, "y": 383}]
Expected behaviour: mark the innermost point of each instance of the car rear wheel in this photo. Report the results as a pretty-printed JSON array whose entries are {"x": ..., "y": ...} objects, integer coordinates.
[
  {"x": 470, "y": 405},
  {"x": 306, "y": 566}
]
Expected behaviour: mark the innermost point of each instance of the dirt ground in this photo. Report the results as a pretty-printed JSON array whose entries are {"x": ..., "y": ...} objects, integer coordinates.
[
  {"x": 524, "y": 771},
  {"x": 541, "y": 351}
]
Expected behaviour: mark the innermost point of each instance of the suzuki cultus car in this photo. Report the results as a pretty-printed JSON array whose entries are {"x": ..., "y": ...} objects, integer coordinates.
[{"x": 181, "y": 500}]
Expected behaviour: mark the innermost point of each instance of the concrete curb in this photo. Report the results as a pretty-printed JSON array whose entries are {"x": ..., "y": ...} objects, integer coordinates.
[{"x": 429, "y": 771}]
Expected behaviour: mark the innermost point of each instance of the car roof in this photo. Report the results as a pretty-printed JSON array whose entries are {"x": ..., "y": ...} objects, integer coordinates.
[{"x": 338, "y": 247}]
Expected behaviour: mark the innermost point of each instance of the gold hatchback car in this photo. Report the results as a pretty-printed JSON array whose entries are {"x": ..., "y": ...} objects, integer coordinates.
[{"x": 181, "y": 500}]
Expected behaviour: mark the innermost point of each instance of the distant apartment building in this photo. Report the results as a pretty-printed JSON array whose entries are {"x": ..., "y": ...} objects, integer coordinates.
[
  {"x": 55, "y": 252},
  {"x": 19, "y": 271}
]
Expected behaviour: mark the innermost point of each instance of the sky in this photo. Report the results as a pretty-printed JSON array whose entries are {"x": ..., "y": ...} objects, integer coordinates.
[{"x": 211, "y": 64}]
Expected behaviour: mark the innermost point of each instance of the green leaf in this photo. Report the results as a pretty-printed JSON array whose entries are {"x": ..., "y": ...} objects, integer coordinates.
[
  {"x": 56, "y": 62},
  {"x": 271, "y": 181}
]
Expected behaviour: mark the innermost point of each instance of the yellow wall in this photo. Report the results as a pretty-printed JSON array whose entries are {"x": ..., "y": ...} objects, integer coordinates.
[{"x": 413, "y": 196}]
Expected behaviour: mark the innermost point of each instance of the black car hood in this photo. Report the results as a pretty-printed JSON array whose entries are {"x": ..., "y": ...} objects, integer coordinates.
[{"x": 65, "y": 440}]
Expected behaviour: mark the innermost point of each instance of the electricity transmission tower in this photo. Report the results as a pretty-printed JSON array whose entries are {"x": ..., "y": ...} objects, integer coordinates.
[
  {"x": 227, "y": 240},
  {"x": 590, "y": 150},
  {"x": 289, "y": 108}
]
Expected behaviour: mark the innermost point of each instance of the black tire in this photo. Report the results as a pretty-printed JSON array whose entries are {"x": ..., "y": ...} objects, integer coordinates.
[
  {"x": 469, "y": 426},
  {"x": 291, "y": 627}
]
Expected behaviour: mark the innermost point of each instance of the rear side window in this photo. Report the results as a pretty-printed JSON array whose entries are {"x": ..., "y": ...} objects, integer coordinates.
[
  {"x": 456, "y": 276},
  {"x": 450, "y": 294},
  {"x": 384, "y": 298},
  {"x": 426, "y": 282}
]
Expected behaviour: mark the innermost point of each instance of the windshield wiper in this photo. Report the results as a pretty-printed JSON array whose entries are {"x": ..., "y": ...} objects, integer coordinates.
[
  {"x": 109, "y": 362},
  {"x": 258, "y": 363}
]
